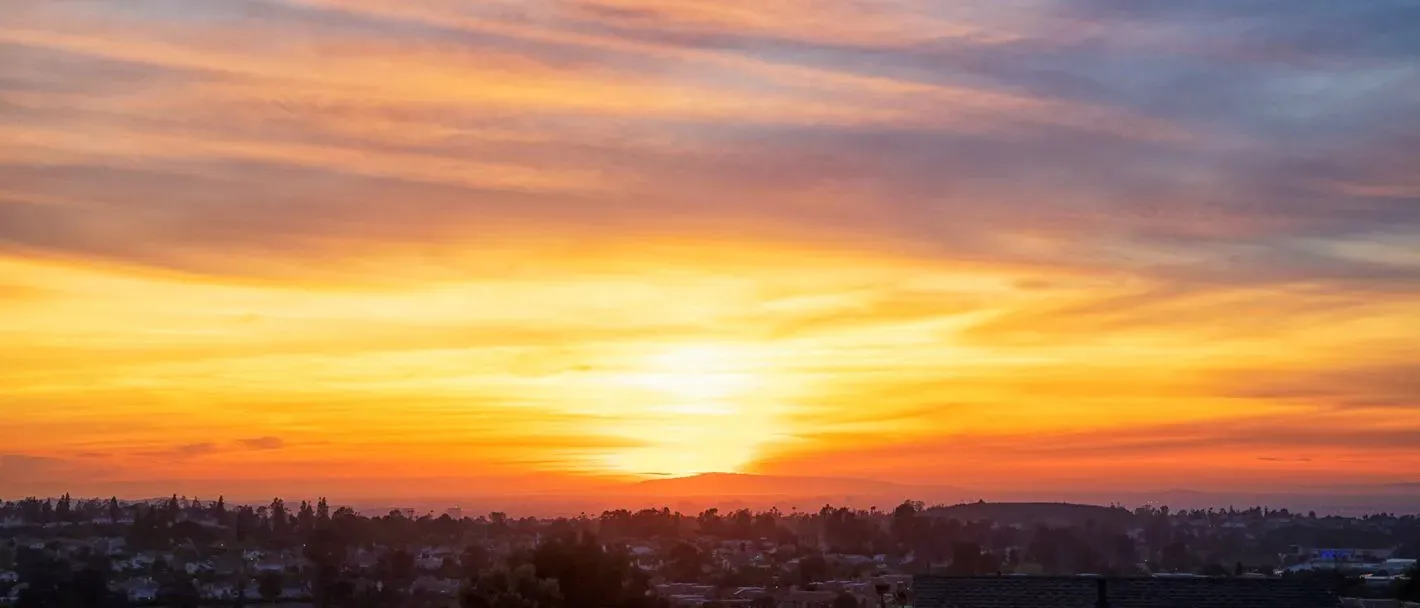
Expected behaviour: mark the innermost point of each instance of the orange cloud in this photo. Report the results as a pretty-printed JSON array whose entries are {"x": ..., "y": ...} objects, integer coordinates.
[{"x": 411, "y": 246}]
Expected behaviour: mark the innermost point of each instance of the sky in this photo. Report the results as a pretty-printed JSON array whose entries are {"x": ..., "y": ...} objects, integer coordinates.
[{"x": 401, "y": 247}]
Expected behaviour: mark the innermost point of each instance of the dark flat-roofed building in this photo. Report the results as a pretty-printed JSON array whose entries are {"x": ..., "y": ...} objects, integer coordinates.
[{"x": 1098, "y": 592}]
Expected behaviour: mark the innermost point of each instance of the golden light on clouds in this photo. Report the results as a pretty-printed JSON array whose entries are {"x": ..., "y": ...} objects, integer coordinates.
[
  {"x": 705, "y": 408},
  {"x": 403, "y": 247}
]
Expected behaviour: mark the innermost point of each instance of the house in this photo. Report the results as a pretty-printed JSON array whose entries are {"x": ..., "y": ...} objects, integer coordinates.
[
  {"x": 365, "y": 560},
  {"x": 1099, "y": 592},
  {"x": 685, "y": 595},
  {"x": 645, "y": 558},
  {"x": 446, "y": 587},
  {"x": 218, "y": 591},
  {"x": 270, "y": 565},
  {"x": 434, "y": 558},
  {"x": 1348, "y": 555},
  {"x": 109, "y": 546},
  {"x": 848, "y": 559},
  {"x": 142, "y": 590},
  {"x": 142, "y": 562},
  {"x": 805, "y": 599},
  {"x": 438, "y": 551},
  {"x": 1356, "y": 602},
  {"x": 226, "y": 566},
  {"x": 685, "y": 589},
  {"x": 295, "y": 591},
  {"x": 749, "y": 593},
  {"x": 1398, "y": 565},
  {"x": 894, "y": 582},
  {"x": 14, "y": 596},
  {"x": 367, "y": 585}
]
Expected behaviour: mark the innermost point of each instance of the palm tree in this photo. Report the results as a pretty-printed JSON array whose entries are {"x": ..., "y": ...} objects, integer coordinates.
[{"x": 270, "y": 586}]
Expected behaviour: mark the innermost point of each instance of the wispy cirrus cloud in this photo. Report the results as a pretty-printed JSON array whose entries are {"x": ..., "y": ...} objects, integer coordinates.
[
  {"x": 183, "y": 451},
  {"x": 262, "y": 443},
  {"x": 1385, "y": 385},
  {"x": 1100, "y": 184}
]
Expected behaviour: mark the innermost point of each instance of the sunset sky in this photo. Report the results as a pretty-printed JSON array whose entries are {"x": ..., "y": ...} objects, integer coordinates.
[{"x": 401, "y": 247}]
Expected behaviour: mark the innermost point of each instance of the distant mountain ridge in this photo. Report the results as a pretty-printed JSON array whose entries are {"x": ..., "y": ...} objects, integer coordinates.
[
  {"x": 739, "y": 490},
  {"x": 1057, "y": 513},
  {"x": 749, "y": 489},
  {"x": 747, "y": 485}
]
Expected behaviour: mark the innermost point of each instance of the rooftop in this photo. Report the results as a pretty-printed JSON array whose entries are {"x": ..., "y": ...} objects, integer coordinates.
[{"x": 1096, "y": 592}]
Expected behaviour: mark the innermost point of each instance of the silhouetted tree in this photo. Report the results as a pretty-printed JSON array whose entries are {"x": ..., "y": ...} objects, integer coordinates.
[
  {"x": 90, "y": 589},
  {"x": 587, "y": 575},
  {"x": 1215, "y": 569},
  {"x": 1410, "y": 589},
  {"x": 179, "y": 592},
  {"x": 326, "y": 551},
  {"x": 43, "y": 577},
  {"x": 397, "y": 570},
  {"x": 240, "y": 587},
  {"x": 246, "y": 523},
  {"x": 1158, "y": 532},
  {"x": 518, "y": 588},
  {"x": 845, "y": 531},
  {"x": 684, "y": 563},
  {"x": 710, "y": 523},
  {"x": 306, "y": 517},
  {"x": 843, "y": 600},
  {"x": 1123, "y": 552},
  {"x": 270, "y": 586},
  {"x": 65, "y": 507},
  {"x": 1176, "y": 557},
  {"x": 812, "y": 568},
  {"x": 966, "y": 559},
  {"x": 906, "y": 526},
  {"x": 279, "y": 524},
  {"x": 474, "y": 560}
]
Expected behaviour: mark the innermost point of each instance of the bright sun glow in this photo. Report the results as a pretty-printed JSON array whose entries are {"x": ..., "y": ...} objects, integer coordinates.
[
  {"x": 704, "y": 408},
  {"x": 702, "y": 376}
]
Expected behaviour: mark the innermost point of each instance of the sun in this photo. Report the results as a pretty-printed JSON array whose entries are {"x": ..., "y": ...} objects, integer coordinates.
[
  {"x": 700, "y": 408},
  {"x": 700, "y": 375}
]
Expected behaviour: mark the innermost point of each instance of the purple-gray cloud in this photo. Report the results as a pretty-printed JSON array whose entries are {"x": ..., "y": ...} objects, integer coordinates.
[
  {"x": 262, "y": 443},
  {"x": 1299, "y": 118},
  {"x": 187, "y": 450},
  {"x": 23, "y": 474},
  {"x": 1376, "y": 386}
]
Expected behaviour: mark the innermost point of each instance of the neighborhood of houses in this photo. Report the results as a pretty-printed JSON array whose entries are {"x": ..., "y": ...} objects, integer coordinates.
[{"x": 150, "y": 552}]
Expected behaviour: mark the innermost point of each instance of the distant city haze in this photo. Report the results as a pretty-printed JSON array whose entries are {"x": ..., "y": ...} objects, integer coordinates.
[
  {"x": 558, "y": 256},
  {"x": 733, "y": 491},
  {"x": 808, "y": 494}
]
